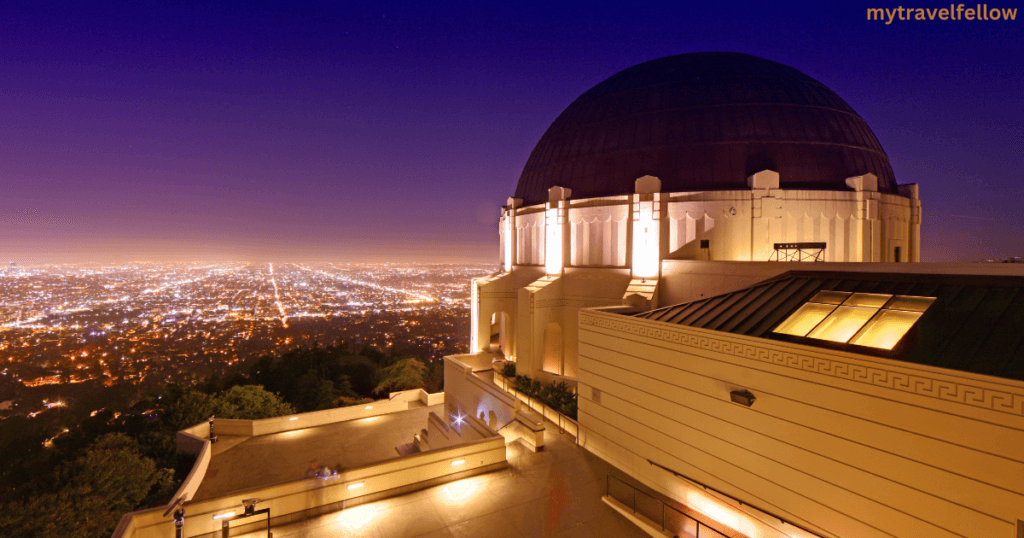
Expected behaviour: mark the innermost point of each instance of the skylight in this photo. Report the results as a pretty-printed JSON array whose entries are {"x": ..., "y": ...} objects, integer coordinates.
[{"x": 865, "y": 319}]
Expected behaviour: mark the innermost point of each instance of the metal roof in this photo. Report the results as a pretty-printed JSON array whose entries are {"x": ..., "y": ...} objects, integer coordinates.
[
  {"x": 703, "y": 121},
  {"x": 975, "y": 325}
]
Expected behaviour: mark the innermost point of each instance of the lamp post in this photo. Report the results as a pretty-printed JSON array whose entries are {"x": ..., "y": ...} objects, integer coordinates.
[
  {"x": 179, "y": 522},
  {"x": 179, "y": 516}
]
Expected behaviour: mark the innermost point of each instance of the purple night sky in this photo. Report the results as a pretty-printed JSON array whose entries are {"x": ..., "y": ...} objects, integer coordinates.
[{"x": 344, "y": 132}]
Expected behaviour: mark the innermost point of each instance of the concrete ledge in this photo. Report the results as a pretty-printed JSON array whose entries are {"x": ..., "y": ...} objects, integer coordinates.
[
  {"x": 258, "y": 524},
  {"x": 645, "y": 524}
]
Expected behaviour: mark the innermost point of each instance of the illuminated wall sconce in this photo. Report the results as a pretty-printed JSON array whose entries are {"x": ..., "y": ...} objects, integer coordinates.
[
  {"x": 357, "y": 485},
  {"x": 293, "y": 418},
  {"x": 224, "y": 515},
  {"x": 742, "y": 397},
  {"x": 250, "y": 506},
  {"x": 368, "y": 407},
  {"x": 458, "y": 462}
]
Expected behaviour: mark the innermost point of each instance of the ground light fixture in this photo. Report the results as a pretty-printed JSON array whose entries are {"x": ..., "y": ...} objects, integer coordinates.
[
  {"x": 224, "y": 515},
  {"x": 293, "y": 418},
  {"x": 357, "y": 485},
  {"x": 368, "y": 407},
  {"x": 458, "y": 462}
]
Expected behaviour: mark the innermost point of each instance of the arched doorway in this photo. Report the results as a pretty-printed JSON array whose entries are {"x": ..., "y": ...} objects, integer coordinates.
[{"x": 501, "y": 334}]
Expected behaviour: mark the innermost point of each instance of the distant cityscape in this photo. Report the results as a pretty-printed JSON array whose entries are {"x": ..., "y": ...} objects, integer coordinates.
[{"x": 64, "y": 325}]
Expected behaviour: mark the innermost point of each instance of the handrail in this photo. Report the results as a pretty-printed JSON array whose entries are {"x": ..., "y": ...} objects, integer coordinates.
[
  {"x": 506, "y": 424},
  {"x": 705, "y": 486},
  {"x": 663, "y": 504}
]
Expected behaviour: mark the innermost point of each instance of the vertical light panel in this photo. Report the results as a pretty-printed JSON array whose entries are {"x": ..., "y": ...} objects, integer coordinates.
[
  {"x": 646, "y": 240},
  {"x": 553, "y": 240},
  {"x": 507, "y": 246},
  {"x": 474, "y": 306}
]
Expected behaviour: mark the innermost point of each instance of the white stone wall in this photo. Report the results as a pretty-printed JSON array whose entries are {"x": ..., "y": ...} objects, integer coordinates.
[
  {"x": 530, "y": 238},
  {"x": 741, "y": 225},
  {"x": 843, "y": 444},
  {"x": 598, "y": 235}
]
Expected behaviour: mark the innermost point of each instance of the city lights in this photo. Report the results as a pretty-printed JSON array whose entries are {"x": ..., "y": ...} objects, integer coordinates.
[{"x": 151, "y": 323}]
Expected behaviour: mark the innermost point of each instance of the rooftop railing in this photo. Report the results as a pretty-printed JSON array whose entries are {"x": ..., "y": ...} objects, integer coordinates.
[{"x": 657, "y": 512}]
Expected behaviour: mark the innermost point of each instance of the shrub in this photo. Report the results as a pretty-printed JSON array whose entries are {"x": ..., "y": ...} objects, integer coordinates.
[{"x": 558, "y": 396}]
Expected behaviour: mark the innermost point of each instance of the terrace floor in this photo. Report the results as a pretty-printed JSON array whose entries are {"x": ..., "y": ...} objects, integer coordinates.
[
  {"x": 241, "y": 463},
  {"x": 556, "y": 492}
]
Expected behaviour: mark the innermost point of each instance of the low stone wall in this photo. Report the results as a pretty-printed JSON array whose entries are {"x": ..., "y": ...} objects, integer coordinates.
[
  {"x": 191, "y": 440},
  {"x": 398, "y": 401},
  {"x": 195, "y": 440},
  {"x": 301, "y": 499},
  {"x": 195, "y": 477}
]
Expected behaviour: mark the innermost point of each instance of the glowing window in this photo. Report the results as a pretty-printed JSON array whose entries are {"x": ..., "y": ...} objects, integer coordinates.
[
  {"x": 910, "y": 304},
  {"x": 886, "y": 330},
  {"x": 864, "y": 319},
  {"x": 804, "y": 319},
  {"x": 870, "y": 300},
  {"x": 843, "y": 323}
]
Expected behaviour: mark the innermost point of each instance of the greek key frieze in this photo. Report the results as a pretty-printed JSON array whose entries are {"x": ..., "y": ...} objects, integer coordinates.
[{"x": 879, "y": 376}]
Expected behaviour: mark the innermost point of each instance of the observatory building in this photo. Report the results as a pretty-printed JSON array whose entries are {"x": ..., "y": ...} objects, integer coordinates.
[
  {"x": 713, "y": 250},
  {"x": 709, "y": 156}
]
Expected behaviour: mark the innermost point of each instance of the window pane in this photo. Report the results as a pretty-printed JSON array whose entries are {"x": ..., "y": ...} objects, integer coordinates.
[
  {"x": 843, "y": 323},
  {"x": 830, "y": 297},
  {"x": 886, "y": 330},
  {"x": 870, "y": 300},
  {"x": 804, "y": 319},
  {"x": 911, "y": 304}
]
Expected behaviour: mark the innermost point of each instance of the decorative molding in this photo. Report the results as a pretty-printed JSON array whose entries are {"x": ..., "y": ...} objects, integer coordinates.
[
  {"x": 498, "y": 295},
  {"x": 577, "y": 303},
  {"x": 869, "y": 374}
]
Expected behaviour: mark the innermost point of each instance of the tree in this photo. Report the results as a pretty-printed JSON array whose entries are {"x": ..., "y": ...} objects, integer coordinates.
[
  {"x": 96, "y": 489},
  {"x": 405, "y": 374},
  {"x": 252, "y": 402},
  {"x": 194, "y": 407},
  {"x": 315, "y": 393}
]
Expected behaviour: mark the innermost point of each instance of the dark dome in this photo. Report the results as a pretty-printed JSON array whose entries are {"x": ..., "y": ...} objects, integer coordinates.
[{"x": 703, "y": 121}]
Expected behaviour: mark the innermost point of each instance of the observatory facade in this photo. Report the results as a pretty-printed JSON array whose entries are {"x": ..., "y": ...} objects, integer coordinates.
[
  {"x": 709, "y": 156},
  {"x": 713, "y": 250}
]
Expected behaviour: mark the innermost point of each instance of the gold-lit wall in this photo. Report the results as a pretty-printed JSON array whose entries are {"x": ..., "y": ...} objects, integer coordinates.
[{"x": 841, "y": 444}]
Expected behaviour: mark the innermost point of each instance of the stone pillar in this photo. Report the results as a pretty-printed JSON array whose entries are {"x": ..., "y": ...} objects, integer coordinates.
[
  {"x": 645, "y": 216},
  {"x": 865, "y": 223},
  {"x": 556, "y": 230},
  {"x": 509, "y": 247},
  {"x": 911, "y": 191},
  {"x": 764, "y": 186}
]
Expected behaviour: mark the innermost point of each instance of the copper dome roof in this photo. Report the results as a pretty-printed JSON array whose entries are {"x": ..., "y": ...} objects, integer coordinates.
[{"x": 703, "y": 121}]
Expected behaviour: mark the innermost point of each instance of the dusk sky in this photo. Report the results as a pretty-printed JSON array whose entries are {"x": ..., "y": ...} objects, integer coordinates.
[{"x": 342, "y": 131}]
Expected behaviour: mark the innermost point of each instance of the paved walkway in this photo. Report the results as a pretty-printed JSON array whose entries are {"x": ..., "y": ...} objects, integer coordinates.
[
  {"x": 556, "y": 492},
  {"x": 280, "y": 457}
]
